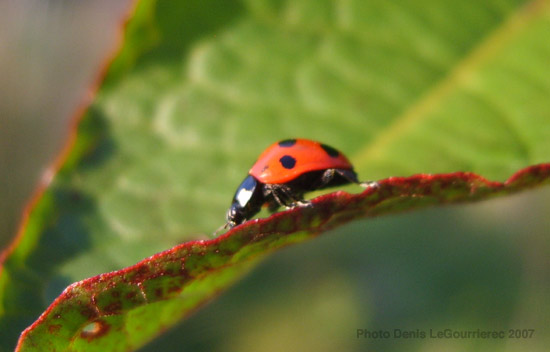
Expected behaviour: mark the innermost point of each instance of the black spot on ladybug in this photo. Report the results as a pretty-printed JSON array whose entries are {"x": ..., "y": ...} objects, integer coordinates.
[
  {"x": 330, "y": 150},
  {"x": 287, "y": 143},
  {"x": 288, "y": 162}
]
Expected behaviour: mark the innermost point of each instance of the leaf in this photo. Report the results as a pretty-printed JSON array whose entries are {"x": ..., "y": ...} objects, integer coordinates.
[
  {"x": 200, "y": 88},
  {"x": 123, "y": 309}
]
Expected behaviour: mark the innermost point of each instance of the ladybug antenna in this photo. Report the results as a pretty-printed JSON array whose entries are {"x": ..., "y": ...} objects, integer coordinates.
[{"x": 220, "y": 229}]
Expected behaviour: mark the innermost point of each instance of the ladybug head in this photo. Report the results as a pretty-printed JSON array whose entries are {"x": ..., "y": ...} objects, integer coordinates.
[
  {"x": 247, "y": 201},
  {"x": 234, "y": 215}
]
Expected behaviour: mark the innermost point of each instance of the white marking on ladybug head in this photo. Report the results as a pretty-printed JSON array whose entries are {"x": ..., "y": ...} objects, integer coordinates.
[{"x": 243, "y": 196}]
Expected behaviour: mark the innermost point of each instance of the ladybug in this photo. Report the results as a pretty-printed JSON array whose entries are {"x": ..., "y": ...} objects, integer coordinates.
[{"x": 284, "y": 172}]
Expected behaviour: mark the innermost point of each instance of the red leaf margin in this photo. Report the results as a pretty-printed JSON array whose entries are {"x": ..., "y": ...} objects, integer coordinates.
[{"x": 395, "y": 194}]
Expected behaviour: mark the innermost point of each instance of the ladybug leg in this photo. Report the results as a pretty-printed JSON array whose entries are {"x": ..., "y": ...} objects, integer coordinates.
[
  {"x": 285, "y": 197},
  {"x": 273, "y": 205},
  {"x": 329, "y": 175},
  {"x": 279, "y": 198},
  {"x": 351, "y": 177},
  {"x": 294, "y": 199},
  {"x": 369, "y": 184},
  {"x": 301, "y": 203}
]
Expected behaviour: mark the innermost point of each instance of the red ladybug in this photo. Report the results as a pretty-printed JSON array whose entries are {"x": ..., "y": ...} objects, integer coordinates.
[{"x": 284, "y": 172}]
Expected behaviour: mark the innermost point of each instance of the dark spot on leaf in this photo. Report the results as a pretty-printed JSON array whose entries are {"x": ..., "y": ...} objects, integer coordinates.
[
  {"x": 94, "y": 330},
  {"x": 330, "y": 150},
  {"x": 173, "y": 289},
  {"x": 140, "y": 275},
  {"x": 54, "y": 328},
  {"x": 88, "y": 312},
  {"x": 113, "y": 307},
  {"x": 287, "y": 161},
  {"x": 287, "y": 143}
]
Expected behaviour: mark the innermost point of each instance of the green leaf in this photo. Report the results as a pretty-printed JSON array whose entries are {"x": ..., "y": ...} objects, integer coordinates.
[
  {"x": 200, "y": 88},
  {"x": 123, "y": 309}
]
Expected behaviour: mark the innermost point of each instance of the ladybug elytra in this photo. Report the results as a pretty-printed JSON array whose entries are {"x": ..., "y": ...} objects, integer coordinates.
[{"x": 284, "y": 172}]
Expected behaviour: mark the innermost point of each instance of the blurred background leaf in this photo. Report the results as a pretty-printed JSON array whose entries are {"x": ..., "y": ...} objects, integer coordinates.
[{"x": 199, "y": 89}]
